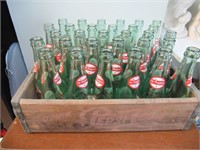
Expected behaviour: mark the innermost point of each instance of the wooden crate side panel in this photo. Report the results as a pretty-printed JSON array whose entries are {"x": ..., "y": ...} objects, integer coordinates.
[
  {"x": 63, "y": 116},
  {"x": 196, "y": 111},
  {"x": 27, "y": 84}
]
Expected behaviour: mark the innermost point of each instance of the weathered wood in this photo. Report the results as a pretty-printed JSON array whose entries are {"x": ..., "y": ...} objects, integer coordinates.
[
  {"x": 39, "y": 115},
  {"x": 26, "y": 89},
  {"x": 107, "y": 115}
]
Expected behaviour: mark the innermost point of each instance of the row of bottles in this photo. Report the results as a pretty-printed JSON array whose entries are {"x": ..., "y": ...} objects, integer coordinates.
[{"x": 109, "y": 64}]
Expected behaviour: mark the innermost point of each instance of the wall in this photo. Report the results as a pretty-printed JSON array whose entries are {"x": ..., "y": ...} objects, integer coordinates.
[{"x": 29, "y": 15}]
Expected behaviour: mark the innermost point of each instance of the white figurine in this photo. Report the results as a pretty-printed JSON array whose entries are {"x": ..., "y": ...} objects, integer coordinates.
[
  {"x": 177, "y": 16},
  {"x": 194, "y": 26}
]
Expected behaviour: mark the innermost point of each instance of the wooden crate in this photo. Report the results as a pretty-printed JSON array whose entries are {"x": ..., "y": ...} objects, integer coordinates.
[{"x": 40, "y": 115}]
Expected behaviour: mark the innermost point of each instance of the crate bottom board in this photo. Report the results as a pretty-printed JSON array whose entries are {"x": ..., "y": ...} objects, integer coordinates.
[{"x": 107, "y": 115}]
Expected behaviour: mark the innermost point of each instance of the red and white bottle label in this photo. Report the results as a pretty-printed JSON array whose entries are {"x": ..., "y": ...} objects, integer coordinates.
[
  {"x": 82, "y": 82},
  {"x": 35, "y": 68},
  {"x": 157, "y": 82},
  {"x": 90, "y": 68},
  {"x": 116, "y": 69},
  {"x": 58, "y": 57},
  {"x": 61, "y": 69},
  {"x": 42, "y": 79},
  {"x": 143, "y": 67},
  {"x": 188, "y": 81},
  {"x": 56, "y": 79},
  {"x": 99, "y": 81},
  {"x": 134, "y": 82},
  {"x": 125, "y": 58}
]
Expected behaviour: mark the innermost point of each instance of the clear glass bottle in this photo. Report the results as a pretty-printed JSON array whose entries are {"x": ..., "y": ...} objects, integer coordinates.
[
  {"x": 92, "y": 31},
  {"x": 80, "y": 41},
  {"x": 91, "y": 63},
  {"x": 51, "y": 84},
  {"x": 140, "y": 24},
  {"x": 82, "y": 25},
  {"x": 155, "y": 84},
  {"x": 117, "y": 46},
  {"x": 101, "y": 24},
  {"x": 134, "y": 34},
  {"x": 48, "y": 27},
  {"x": 104, "y": 78},
  {"x": 36, "y": 44},
  {"x": 70, "y": 32},
  {"x": 182, "y": 78},
  {"x": 131, "y": 79},
  {"x": 78, "y": 81},
  {"x": 120, "y": 24},
  {"x": 55, "y": 36},
  {"x": 62, "y": 22}
]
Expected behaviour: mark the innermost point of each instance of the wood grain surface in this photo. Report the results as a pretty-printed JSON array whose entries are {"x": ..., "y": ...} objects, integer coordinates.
[
  {"x": 17, "y": 139},
  {"x": 107, "y": 115}
]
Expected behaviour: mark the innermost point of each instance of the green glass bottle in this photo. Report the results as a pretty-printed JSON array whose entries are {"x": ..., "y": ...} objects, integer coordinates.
[
  {"x": 70, "y": 29},
  {"x": 117, "y": 46},
  {"x": 103, "y": 82},
  {"x": 126, "y": 36},
  {"x": 92, "y": 31},
  {"x": 144, "y": 46},
  {"x": 101, "y": 24},
  {"x": 111, "y": 33},
  {"x": 80, "y": 41},
  {"x": 48, "y": 27},
  {"x": 155, "y": 84},
  {"x": 182, "y": 78},
  {"x": 36, "y": 43},
  {"x": 140, "y": 24},
  {"x": 134, "y": 34},
  {"x": 82, "y": 25},
  {"x": 78, "y": 81},
  {"x": 62, "y": 22},
  {"x": 55, "y": 36},
  {"x": 51, "y": 84},
  {"x": 120, "y": 24},
  {"x": 131, "y": 79},
  {"x": 91, "y": 63},
  {"x": 102, "y": 40},
  {"x": 65, "y": 47}
]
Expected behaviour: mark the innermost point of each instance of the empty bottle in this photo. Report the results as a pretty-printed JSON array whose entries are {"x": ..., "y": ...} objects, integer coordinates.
[
  {"x": 62, "y": 22},
  {"x": 91, "y": 63},
  {"x": 182, "y": 78},
  {"x": 101, "y": 24},
  {"x": 140, "y": 24},
  {"x": 82, "y": 25},
  {"x": 48, "y": 27},
  {"x": 78, "y": 81},
  {"x": 134, "y": 34},
  {"x": 70, "y": 29},
  {"x": 104, "y": 78},
  {"x": 155, "y": 84},
  {"x": 120, "y": 24},
  {"x": 131, "y": 79},
  {"x": 92, "y": 31}
]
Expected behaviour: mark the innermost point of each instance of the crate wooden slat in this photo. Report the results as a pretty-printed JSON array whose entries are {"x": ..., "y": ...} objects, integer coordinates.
[{"x": 39, "y": 115}]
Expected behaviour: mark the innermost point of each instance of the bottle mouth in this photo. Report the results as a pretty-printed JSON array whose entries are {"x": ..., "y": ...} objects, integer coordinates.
[
  {"x": 135, "y": 53},
  {"x": 48, "y": 26},
  {"x": 62, "y": 21},
  {"x": 192, "y": 52},
  {"x": 36, "y": 38},
  {"x": 46, "y": 54}
]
